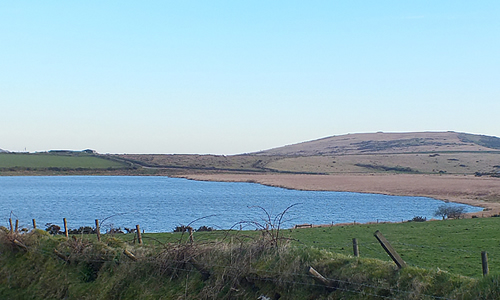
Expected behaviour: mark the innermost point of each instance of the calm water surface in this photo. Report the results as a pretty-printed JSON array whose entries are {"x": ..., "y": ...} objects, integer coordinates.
[{"x": 161, "y": 203}]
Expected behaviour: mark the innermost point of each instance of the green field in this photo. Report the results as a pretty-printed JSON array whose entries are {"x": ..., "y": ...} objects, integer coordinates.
[
  {"x": 78, "y": 160},
  {"x": 452, "y": 245}
]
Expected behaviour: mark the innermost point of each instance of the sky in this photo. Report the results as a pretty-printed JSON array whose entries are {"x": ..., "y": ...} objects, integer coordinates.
[{"x": 230, "y": 77}]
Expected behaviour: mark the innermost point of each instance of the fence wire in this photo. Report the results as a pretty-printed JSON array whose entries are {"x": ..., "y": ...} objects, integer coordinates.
[{"x": 304, "y": 279}]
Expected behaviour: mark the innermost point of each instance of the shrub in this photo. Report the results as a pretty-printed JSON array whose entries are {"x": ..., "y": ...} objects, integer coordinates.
[
  {"x": 182, "y": 228},
  {"x": 53, "y": 229},
  {"x": 82, "y": 230},
  {"x": 205, "y": 228},
  {"x": 418, "y": 219},
  {"x": 449, "y": 212}
]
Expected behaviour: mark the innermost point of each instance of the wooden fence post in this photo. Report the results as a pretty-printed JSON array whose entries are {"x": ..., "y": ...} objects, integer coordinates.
[
  {"x": 60, "y": 255},
  {"x": 11, "y": 226},
  {"x": 20, "y": 245},
  {"x": 320, "y": 278},
  {"x": 388, "y": 248},
  {"x": 17, "y": 225},
  {"x": 139, "y": 238},
  {"x": 191, "y": 239},
  {"x": 65, "y": 227},
  {"x": 34, "y": 224},
  {"x": 97, "y": 230},
  {"x": 129, "y": 255},
  {"x": 484, "y": 259},
  {"x": 355, "y": 247}
]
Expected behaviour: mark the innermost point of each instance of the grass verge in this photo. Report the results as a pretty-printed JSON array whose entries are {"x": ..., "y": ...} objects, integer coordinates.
[{"x": 48, "y": 267}]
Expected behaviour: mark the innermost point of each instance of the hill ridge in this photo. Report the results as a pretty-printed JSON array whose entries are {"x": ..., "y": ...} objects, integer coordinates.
[{"x": 393, "y": 142}]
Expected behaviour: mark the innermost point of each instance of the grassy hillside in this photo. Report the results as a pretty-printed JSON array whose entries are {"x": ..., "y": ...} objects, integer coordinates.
[
  {"x": 423, "y": 163},
  {"x": 38, "y": 266},
  {"x": 413, "y": 163}
]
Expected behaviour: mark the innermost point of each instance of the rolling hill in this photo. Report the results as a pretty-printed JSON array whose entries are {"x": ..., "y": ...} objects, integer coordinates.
[
  {"x": 415, "y": 153},
  {"x": 380, "y": 142},
  {"x": 412, "y": 153}
]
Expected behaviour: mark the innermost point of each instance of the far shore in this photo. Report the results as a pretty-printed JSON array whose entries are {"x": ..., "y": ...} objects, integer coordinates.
[{"x": 476, "y": 191}]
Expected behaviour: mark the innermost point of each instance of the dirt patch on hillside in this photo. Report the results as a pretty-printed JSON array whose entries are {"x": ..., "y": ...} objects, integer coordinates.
[{"x": 477, "y": 191}]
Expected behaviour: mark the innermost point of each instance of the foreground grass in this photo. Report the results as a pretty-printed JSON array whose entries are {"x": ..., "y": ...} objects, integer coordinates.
[{"x": 221, "y": 269}]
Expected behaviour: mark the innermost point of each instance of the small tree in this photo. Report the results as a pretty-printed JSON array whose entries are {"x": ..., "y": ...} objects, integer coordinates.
[{"x": 449, "y": 212}]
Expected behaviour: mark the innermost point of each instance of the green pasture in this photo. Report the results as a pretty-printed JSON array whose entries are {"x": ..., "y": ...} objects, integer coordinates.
[
  {"x": 451, "y": 245},
  {"x": 62, "y": 161}
]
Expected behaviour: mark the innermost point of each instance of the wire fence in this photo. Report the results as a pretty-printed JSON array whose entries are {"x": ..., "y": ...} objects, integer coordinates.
[{"x": 304, "y": 278}]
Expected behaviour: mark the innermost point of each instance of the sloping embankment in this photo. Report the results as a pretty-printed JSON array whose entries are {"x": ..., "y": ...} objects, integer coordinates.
[{"x": 38, "y": 266}]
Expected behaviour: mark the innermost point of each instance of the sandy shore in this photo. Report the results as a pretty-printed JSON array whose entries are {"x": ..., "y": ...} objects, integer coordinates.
[{"x": 478, "y": 191}]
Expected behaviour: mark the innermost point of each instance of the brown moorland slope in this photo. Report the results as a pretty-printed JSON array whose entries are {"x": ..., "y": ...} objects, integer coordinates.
[
  {"x": 380, "y": 142},
  {"x": 410, "y": 153}
]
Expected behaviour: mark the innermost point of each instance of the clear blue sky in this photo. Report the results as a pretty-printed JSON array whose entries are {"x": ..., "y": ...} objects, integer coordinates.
[{"x": 227, "y": 77}]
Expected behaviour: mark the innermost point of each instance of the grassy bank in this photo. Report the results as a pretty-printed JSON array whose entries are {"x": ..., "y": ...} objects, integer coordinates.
[{"x": 38, "y": 266}]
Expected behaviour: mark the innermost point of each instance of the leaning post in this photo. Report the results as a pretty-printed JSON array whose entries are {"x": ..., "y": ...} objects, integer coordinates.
[{"x": 388, "y": 248}]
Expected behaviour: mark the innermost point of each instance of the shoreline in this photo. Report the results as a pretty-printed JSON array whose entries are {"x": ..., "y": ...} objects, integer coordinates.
[{"x": 476, "y": 191}]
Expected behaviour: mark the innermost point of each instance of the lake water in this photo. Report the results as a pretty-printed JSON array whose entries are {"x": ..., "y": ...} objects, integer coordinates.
[{"x": 160, "y": 203}]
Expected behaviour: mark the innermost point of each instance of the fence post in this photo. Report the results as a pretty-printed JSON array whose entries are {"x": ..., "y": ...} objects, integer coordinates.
[
  {"x": 129, "y": 255},
  {"x": 65, "y": 227},
  {"x": 17, "y": 225},
  {"x": 60, "y": 255},
  {"x": 20, "y": 245},
  {"x": 320, "y": 278},
  {"x": 388, "y": 248},
  {"x": 139, "y": 238},
  {"x": 11, "y": 226},
  {"x": 191, "y": 239},
  {"x": 34, "y": 224},
  {"x": 484, "y": 259},
  {"x": 355, "y": 247},
  {"x": 97, "y": 230}
]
